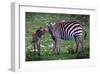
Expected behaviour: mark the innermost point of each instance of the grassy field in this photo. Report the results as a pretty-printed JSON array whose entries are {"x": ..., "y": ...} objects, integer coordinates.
[{"x": 35, "y": 20}]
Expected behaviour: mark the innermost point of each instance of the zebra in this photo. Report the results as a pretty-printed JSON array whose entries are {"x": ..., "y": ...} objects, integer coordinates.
[
  {"x": 36, "y": 39},
  {"x": 66, "y": 30}
]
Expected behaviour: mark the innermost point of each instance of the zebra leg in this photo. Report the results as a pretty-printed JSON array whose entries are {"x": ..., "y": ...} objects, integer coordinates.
[
  {"x": 34, "y": 48},
  {"x": 38, "y": 47},
  {"x": 81, "y": 42},
  {"x": 77, "y": 43},
  {"x": 81, "y": 53},
  {"x": 56, "y": 49},
  {"x": 57, "y": 46}
]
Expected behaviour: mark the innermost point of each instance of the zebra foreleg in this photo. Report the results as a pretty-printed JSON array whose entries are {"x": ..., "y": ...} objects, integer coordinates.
[
  {"x": 57, "y": 46},
  {"x": 56, "y": 49}
]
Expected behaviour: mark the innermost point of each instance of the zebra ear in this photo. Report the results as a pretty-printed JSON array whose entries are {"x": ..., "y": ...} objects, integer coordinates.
[
  {"x": 41, "y": 29},
  {"x": 52, "y": 23}
]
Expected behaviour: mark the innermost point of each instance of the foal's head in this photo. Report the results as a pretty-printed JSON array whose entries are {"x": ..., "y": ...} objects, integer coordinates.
[{"x": 40, "y": 31}]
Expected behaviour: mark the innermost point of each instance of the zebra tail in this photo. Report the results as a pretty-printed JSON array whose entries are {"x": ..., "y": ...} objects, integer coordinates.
[{"x": 85, "y": 35}]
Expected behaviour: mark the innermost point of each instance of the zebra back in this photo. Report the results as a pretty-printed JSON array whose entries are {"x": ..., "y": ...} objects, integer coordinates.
[{"x": 65, "y": 30}]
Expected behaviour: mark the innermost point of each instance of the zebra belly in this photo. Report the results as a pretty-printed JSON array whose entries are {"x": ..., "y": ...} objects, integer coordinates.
[
  {"x": 65, "y": 36},
  {"x": 68, "y": 38}
]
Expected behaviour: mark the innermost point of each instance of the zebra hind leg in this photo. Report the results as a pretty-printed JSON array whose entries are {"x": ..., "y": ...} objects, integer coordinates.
[
  {"x": 81, "y": 42},
  {"x": 77, "y": 43},
  {"x": 80, "y": 53},
  {"x": 80, "y": 39}
]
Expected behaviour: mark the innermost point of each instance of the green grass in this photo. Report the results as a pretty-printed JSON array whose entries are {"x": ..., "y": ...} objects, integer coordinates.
[
  {"x": 62, "y": 56},
  {"x": 66, "y": 50},
  {"x": 35, "y": 20}
]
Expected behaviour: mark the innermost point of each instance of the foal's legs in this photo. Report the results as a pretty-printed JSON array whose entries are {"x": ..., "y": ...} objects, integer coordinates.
[
  {"x": 38, "y": 47},
  {"x": 35, "y": 48}
]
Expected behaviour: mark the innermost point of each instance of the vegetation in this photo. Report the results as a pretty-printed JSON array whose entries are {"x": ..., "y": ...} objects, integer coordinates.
[{"x": 35, "y": 20}]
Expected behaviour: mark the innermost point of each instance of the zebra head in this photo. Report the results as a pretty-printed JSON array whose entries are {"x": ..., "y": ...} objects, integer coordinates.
[
  {"x": 51, "y": 23},
  {"x": 40, "y": 31}
]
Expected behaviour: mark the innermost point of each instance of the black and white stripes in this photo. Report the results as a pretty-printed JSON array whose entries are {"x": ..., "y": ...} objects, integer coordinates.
[
  {"x": 65, "y": 31},
  {"x": 60, "y": 30}
]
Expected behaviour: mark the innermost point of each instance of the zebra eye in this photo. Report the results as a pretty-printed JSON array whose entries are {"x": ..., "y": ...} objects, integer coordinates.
[{"x": 41, "y": 29}]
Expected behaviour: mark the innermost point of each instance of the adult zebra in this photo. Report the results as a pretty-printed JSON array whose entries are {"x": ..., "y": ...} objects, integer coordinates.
[{"x": 65, "y": 31}]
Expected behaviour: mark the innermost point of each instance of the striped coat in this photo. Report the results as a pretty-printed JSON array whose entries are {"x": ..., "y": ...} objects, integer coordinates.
[{"x": 65, "y": 31}]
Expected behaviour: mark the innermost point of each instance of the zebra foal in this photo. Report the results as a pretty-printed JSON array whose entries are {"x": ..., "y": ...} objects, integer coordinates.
[
  {"x": 65, "y": 31},
  {"x": 36, "y": 39}
]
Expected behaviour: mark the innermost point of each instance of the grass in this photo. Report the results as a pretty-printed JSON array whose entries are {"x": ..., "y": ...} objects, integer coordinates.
[
  {"x": 66, "y": 50},
  {"x": 62, "y": 56}
]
